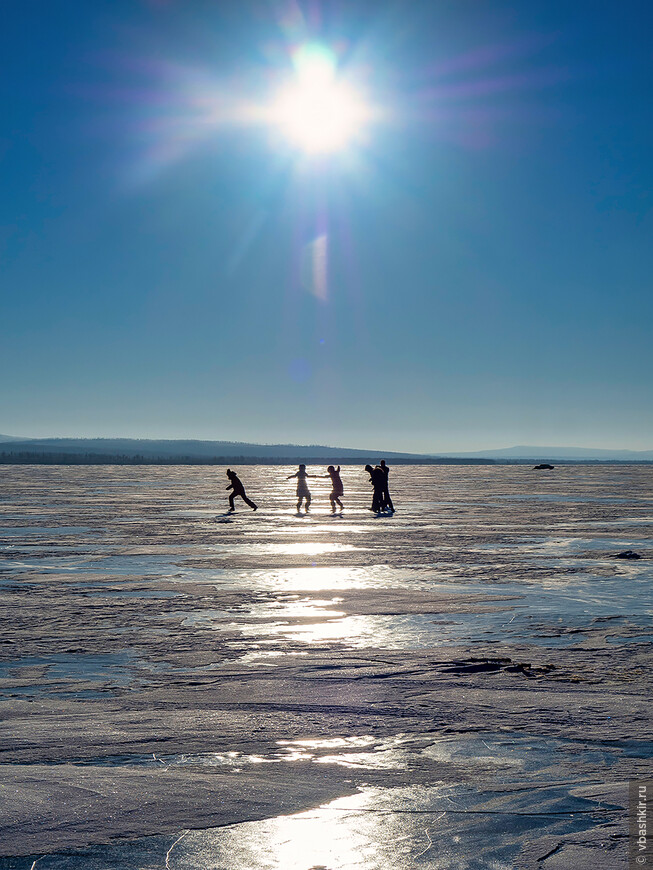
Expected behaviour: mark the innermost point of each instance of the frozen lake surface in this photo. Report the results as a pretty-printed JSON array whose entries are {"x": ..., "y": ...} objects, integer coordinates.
[{"x": 464, "y": 684}]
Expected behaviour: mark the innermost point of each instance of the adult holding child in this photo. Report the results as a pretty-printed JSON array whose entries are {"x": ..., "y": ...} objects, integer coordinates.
[
  {"x": 378, "y": 481},
  {"x": 386, "y": 501}
]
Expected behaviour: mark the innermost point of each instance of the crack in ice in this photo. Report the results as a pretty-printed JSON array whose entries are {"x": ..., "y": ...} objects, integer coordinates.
[
  {"x": 178, "y": 840},
  {"x": 428, "y": 837}
]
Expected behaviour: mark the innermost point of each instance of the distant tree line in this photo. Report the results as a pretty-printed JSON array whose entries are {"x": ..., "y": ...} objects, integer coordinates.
[{"x": 50, "y": 457}]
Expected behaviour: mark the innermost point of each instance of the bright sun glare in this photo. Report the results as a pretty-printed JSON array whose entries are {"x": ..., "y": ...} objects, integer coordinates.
[{"x": 318, "y": 112}]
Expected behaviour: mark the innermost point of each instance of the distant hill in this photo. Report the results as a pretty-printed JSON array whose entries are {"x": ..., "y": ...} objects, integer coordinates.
[
  {"x": 174, "y": 447},
  {"x": 146, "y": 451}
]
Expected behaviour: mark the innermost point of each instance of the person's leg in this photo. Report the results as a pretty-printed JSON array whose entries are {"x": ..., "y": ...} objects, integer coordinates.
[
  {"x": 308, "y": 501},
  {"x": 388, "y": 501},
  {"x": 339, "y": 502},
  {"x": 231, "y": 502},
  {"x": 250, "y": 503},
  {"x": 332, "y": 499}
]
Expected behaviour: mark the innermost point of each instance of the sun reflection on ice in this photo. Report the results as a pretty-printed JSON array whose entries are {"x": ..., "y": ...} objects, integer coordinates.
[
  {"x": 315, "y": 838},
  {"x": 309, "y": 548},
  {"x": 375, "y": 829},
  {"x": 351, "y": 628},
  {"x": 333, "y": 835},
  {"x": 320, "y": 578}
]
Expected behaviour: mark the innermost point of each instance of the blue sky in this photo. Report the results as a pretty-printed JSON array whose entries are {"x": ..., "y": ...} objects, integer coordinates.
[{"x": 488, "y": 243}]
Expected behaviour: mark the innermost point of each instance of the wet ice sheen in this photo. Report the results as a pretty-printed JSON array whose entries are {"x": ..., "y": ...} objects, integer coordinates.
[{"x": 438, "y": 828}]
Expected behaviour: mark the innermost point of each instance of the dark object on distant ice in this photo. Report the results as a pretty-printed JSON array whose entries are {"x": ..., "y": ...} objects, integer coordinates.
[
  {"x": 627, "y": 554},
  {"x": 543, "y": 466}
]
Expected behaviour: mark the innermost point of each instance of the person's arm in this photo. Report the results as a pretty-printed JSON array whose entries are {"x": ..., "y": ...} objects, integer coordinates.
[
  {"x": 231, "y": 486},
  {"x": 292, "y": 475}
]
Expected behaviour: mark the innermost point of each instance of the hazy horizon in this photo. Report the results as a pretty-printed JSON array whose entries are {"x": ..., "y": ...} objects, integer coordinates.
[
  {"x": 470, "y": 270},
  {"x": 343, "y": 445}
]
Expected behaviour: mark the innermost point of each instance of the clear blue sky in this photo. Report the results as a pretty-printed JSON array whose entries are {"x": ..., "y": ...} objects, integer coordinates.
[{"x": 489, "y": 247}]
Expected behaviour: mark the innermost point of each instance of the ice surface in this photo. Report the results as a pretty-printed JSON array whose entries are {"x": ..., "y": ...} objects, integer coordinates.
[{"x": 464, "y": 684}]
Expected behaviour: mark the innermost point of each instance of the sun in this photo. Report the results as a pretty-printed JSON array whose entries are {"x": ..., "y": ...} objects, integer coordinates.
[{"x": 318, "y": 112}]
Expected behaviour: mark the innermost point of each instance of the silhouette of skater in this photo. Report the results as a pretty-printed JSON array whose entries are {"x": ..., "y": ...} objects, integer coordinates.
[
  {"x": 303, "y": 492},
  {"x": 377, "y": 479},
  {"x": 386, "y": 501},
  {"x": 337, "y": 488},
  {"x": 238, "y": 489}
]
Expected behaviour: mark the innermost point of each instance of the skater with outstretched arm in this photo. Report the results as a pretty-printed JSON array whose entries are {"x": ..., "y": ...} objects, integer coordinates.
[
  {"x": 303, "y": 492},
  {"x": 238, "y": 489}
]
